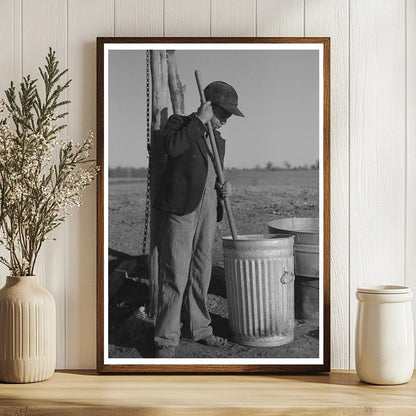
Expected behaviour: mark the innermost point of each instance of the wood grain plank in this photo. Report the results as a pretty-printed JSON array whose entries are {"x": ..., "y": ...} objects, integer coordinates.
[
  {"x": 331, "y": 18},
  {"x": 233, "y": 18},
  {"x": 10, "y": 66},
  {"x": 339, "y": 394},
  {"x": 377, "y": 152},
  {"x": 10, "y": 44},
  {"x": 138, "y": 17},
  {"x": 43, "y": 26},
  {"x": 86, "y": 20},
  {"x": 187, "y": 18},
  {"x": 411, "y": 150},
  {"x": 280, "y": 18}
]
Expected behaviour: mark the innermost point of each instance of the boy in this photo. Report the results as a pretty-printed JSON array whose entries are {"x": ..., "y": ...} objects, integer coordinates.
[{"x": 189, "y": 195}]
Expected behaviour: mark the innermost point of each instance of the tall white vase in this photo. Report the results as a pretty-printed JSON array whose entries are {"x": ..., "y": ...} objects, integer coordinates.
[
  {"x": 27, "y": 331},
  {"x": 384, "y": 342}
]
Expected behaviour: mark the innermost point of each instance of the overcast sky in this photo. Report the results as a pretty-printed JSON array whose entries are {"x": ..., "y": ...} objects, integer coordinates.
[{"x": 278, "y": 93}]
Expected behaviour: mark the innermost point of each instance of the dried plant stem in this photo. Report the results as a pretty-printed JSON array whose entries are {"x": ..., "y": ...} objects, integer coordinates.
[{"x": 36, "y": 194}]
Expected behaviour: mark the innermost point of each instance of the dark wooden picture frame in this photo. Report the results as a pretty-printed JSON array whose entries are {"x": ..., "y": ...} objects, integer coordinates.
[{"x": 104, "y": 365}]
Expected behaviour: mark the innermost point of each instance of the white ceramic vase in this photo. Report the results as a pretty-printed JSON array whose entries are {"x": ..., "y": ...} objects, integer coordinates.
[
  {"x": 27, "y": 331},
  {"x": 384, "y": 340}
]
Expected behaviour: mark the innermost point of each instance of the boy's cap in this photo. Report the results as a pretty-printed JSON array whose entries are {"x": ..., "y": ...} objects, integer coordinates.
[{"x": 224, "y": 95}]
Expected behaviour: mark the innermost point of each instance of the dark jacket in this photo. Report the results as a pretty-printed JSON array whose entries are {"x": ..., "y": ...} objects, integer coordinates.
[{"x": 186, "y": 169}]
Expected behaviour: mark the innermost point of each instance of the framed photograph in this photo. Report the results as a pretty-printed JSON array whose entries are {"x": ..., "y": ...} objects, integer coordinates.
[{"x": 213, "y": 205}]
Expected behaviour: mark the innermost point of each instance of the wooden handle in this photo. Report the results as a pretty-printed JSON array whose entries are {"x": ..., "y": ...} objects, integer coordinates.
[{"x": 217, "y": 161}]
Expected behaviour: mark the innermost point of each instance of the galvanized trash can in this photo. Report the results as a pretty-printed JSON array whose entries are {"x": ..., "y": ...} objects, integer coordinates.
[
  {"x": 259, "y": 275},
  {"x": 306, "y": 252}
]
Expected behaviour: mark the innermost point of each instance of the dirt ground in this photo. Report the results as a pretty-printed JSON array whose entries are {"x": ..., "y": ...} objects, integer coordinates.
[{"x": 258, "y": 197}]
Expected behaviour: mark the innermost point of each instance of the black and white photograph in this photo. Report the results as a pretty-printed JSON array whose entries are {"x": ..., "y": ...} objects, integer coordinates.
[{"x": 214, "y": 187}]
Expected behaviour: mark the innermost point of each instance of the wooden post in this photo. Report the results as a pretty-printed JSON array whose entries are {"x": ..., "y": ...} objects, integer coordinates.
[
  {"x": 160, "y": 90},
  {"x": 176, "y": 88},
  {"x": 165, "y": 80},
  {"x": 160, "y": 103}
]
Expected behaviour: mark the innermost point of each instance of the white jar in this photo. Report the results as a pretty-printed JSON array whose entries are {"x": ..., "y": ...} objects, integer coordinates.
[{"x": 384, "y": 337}]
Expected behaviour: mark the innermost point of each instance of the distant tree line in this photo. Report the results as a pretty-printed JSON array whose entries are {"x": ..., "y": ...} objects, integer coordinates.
[
  {"x": 130, "y": 172},
  {"x": 127, "y": 172},
  {"x": 288, "y": 166}
]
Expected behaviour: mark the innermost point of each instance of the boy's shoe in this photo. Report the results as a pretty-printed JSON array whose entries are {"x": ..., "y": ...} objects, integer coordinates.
[
  {"x": 165, "y": 351},
  {"x": 213, "y": 341}
]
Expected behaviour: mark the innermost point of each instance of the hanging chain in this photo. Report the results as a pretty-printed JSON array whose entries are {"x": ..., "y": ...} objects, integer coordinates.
[{"x": 148, "y": 140}]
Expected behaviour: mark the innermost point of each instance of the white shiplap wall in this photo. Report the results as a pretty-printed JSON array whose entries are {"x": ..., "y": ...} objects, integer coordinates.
[{"x": 373, "y": 129}]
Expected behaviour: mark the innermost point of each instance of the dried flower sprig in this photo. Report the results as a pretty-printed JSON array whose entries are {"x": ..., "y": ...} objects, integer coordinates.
[{"x": 41, "y": 176}]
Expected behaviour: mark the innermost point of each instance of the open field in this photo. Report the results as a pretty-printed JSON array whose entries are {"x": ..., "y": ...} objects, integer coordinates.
[{"x": 258, "y": 197}]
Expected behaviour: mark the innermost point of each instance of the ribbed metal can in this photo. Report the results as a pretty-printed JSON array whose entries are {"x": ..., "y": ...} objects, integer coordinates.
[{"x": 259, "y": 275}]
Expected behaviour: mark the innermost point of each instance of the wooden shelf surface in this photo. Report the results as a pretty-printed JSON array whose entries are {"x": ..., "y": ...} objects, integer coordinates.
[{"x": 87, "y": 393}]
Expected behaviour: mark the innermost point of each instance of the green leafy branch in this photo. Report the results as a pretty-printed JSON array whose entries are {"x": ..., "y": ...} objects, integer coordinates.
[{"x": 29, "y": 112}]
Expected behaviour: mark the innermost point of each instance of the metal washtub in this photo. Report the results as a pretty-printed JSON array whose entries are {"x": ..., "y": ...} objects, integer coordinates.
[
  {"x": 306, "y": 252},
  {"x": 259, "y": 275}
]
